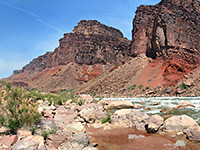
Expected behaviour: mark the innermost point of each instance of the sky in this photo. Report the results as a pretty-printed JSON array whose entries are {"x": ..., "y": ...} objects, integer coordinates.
[{"x": 30, "y": 28}]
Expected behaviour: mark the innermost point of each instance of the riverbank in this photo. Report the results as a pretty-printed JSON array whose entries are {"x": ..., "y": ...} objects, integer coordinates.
[{"x": 33, "y": 120}]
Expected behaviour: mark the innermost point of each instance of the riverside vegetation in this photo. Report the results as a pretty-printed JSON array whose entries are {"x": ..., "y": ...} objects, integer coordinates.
[{"x": 37, "y": 120}]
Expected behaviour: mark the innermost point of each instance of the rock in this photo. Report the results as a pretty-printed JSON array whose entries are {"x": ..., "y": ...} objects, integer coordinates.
[
  {"x": 180, "y": 143},
  {"x": 64, "y": 116},
  {"x": 120, "y": 105},
  {"x": 48, "y": 124},
  {"x": 193, "y": 133},
  {"x": 71, "y": 146},
  {"x": 134, "y": 136},
  {"x": 90, "y": 148},
  {"x": 137, "y": 106},
  {"x": 147, "y": 108},
  {"x": 30, "y": 143},
  {"x": 87, "y": 99},
  {"x": 81, "y": 138},
  {"x": 155, "y": 34},
  {"x": 4, "y": 130},
  {"x": 55, "y": 140},
  {"x": 178, "y": 123},
  {"x": 23, "y": 133},
  {"x": 164, "y": 110},
  {"x": 173, "y": 136},
  {"x": 129, "y": 117},
  {"x": 48, "y": 114},
  {"x": 76, "y": 127},
  {"x": 183, "y": 105},
  {"x": 155, "y": 104},
  {"x": 179, "y": 133},
  {"x": 102, "y": 102},
  {"x": 9, "y": 140},
  {"x": 88, "y": 115},
  {"x": 78, "y": 48},
  {"x": 154, "y": 123}
]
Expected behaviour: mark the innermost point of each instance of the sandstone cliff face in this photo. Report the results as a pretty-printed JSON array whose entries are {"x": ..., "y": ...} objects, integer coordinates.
[
  {"x": 169, "y": 30},
  {"x": 90, "y": 43},
  {"x": 172, "y": 26}
]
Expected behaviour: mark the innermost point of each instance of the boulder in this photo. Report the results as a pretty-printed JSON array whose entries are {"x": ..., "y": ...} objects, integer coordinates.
[
  {"x": 76, "y": 127},
  {"x": 147, "y": 108},
  {"x": 102, "y": 102},
  {"x": 137, "y": 106},
  {"x": 81, "y": 138},
  {"x": 91, "y": 115},
  {"x": 134, "y": 136},
  {"x": 183, "y": 105},
  {"x": 129, "y": 117},
  {"x": 55, "y": 140},
  {"x": 88, "y": 115},
  {"x": 9, "y": 140},
  {"x": 193, "y": 133},
  {"x": 85, "y": 98},
  {"x": 178, "y": 123},
  {"x": 120, "y": 105},
  {"x": 64, "y": 116},
  {"x": 180, "y": 143},
  {"x": 30, "y": 143},
  {"x": 164, "y": 110},
  {"x": 154, "y": 123}
]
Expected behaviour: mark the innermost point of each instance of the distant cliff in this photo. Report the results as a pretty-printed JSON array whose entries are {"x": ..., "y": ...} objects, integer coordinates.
[{"x": 90, "y": 42}]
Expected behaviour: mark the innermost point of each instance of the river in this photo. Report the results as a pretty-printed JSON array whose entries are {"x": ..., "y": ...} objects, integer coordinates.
[{"x": 167, "y": 102}]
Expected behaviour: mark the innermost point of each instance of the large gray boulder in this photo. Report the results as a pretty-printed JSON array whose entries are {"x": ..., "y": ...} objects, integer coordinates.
[
  {"x": 81, "y": 138},
  {"x": 130, "y": 117},
  {"x": 154, "y": 123},
  {"x": 178, "y": 123}
]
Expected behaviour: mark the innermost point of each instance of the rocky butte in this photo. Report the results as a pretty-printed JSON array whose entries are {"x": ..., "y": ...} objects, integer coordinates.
[
  {"x": 97, "y": 59},
  {"x": 82, "y": 55}
]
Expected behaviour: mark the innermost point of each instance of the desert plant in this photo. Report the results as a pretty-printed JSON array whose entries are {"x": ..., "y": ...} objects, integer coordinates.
[
  {"x": 183, "y": 86},
  {"x": 132, "y": 87},
  {"x": 17, "y": 111},
  {"x": 140, "y": 86},
  {"x": 107, "y": 118},
  {"x": 45, "y": 133}
]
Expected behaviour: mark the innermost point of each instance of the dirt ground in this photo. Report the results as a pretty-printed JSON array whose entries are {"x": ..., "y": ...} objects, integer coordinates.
[{"x": 117, "y": 139}]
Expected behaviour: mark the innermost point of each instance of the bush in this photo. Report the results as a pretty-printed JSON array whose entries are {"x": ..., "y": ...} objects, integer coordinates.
[
  {"x": 132, "y": 87},
  {"x": 45, "y": 133},
  {"x": 183, "y": 86},
  {"x": 107, "y": 118},
  {"x": 17, "y": 111},
  {"x": 140, "y": 86}
]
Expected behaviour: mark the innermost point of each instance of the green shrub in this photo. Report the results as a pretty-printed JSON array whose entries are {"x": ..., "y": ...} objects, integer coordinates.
[
  {"x": 183, "y": 86},
  {"x": 45, "y": 133},
  {"x": 140, "y": 86},
  {"x": 132, "y": 87},
  {"x": 147, "y": 88},
  {"x": 107, "y": 118},
  {"x": 17, "y": 111}
]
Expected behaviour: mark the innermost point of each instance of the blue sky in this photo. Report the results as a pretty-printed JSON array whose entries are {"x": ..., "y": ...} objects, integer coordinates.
[{"x": 29, "y": 28}]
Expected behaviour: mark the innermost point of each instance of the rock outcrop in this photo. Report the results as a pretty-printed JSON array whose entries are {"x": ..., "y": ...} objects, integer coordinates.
[
  {"x": 169, "y": 30},
  {"x": 90, "y": 43}
]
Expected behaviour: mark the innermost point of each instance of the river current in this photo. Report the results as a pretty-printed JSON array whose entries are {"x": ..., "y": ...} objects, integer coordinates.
[{"x": 167, "y": 102}]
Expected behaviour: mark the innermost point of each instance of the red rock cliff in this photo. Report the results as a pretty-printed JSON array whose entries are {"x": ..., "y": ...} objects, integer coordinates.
[
  {"x": 169, "y": 31},
  {"x": 90, "y": 43}
]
